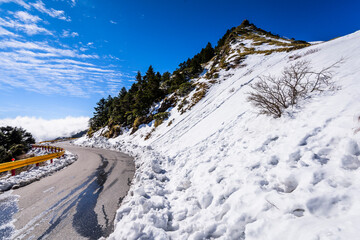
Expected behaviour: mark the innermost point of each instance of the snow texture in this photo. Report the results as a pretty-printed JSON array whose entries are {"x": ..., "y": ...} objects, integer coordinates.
[
  {"x": 223, "y": 171},
  {"x": 35, "y": 173}
]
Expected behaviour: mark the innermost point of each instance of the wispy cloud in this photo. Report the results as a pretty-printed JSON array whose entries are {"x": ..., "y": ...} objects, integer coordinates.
[
  {"x": 19, "y": 2},
  {"x": 40, "y": 6},
  {"x": 4, "y": 32},
  {"x": 41, "y": 68},
  {"x": 26, "y": 17},
  {"x": 43, "y": 129},
  {"x": 47, "y": 65},
  {"x": 113, "y": 57},
  {"x": 72, "y": 3},
  {"x": 28, "y": 28},
  {"x": 68, "y": 33},
  {"x": 113, "y": 22},
  {"x": 42, "y": 46}
]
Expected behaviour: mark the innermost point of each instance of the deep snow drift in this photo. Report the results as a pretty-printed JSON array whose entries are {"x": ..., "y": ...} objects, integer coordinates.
[{"x": 221, "y": 170}]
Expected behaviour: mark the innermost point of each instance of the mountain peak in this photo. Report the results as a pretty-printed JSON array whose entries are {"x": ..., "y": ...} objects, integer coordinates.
[
  {"x": 245, "y": 23},
  {"x": 247, "y": 39}
]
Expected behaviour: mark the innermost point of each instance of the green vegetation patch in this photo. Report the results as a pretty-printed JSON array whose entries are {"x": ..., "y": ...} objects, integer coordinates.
[{"x": 14, "y": 142}]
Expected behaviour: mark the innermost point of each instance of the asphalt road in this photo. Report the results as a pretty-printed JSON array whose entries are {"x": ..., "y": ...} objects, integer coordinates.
[{"x": 78, "y": 202}]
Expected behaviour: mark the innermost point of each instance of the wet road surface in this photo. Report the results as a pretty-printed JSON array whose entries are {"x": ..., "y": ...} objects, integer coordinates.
[{"x": 78, "y": 202}]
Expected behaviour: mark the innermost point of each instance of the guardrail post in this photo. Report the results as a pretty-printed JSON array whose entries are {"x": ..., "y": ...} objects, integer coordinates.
[
  {"x": 51, "y": 161},
  {"x": 13, "y": 170}
]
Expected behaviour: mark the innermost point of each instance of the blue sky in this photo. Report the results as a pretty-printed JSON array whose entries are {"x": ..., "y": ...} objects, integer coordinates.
[{"x": 59, "y": 57}]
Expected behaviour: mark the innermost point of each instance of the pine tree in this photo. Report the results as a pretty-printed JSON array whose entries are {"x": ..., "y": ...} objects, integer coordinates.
[
  {"x": 101, "y": 113},
  {"x": 122, "y": 93},
  {"x": 208, "y": 53},
  {"x": 152, "y": 87},
  {"x": 14, "y": 142}
]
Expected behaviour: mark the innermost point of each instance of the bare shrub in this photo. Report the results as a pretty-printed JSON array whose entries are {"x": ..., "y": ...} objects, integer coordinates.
[
  {"x": 148, "y": 135},
  {"x": 295, "y": 57},
  {"x": 311, "y": 51},
  {"x": 358, "y": 128},
  {"x": 298, "y": 81}
]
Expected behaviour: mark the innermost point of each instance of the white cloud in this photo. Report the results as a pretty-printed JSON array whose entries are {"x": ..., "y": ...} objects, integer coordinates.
[
  {"x": 43, "y": 129},
  {"x": 27, "y": 17},
  {"x": 42, "y": 46},
  {"x": 72, "y": 3},
  {"x": 4, "y": 32},
  {"x": 28, "y": 28},
  {"x": 67, "y": 33},
  {"x": 59, "y": 14},
  {"x": 19, "y": 2},
  {"x": 49, "y": 67},
  {"x": 38, "y": 67},
  {"x": 113, "y": 57},
  {"x": 40, "y": 6},
  {"x": 113, "y": 22}
]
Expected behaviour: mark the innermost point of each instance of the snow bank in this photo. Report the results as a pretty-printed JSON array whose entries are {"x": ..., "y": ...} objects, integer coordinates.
[
  {"x": 35, "y": 173},
  {"x": 223, "y": 171}
]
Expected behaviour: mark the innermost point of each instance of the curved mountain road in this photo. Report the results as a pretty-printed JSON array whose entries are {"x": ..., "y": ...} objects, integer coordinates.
[{"x": 78, "y": 202}]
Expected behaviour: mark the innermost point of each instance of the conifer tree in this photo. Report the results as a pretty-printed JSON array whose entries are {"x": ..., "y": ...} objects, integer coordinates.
[
  {"x": 13, "y": 142},
  {"x": 208, "y": 53}
]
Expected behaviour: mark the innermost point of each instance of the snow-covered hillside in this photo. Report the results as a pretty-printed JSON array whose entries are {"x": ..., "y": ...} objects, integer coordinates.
[{"x": 221, "y": 170}]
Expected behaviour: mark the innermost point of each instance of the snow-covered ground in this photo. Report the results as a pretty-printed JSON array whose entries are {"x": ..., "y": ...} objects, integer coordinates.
[
  {"x": 35, "y": 173},
  {"x": 223, "y": 171}
]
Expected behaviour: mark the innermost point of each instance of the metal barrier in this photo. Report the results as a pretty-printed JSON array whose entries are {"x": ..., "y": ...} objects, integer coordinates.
[{"x": 57, "y": 152}]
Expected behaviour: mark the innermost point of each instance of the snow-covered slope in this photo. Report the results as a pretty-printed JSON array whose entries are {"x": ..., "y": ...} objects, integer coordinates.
[{"x": 221, "y": 170}]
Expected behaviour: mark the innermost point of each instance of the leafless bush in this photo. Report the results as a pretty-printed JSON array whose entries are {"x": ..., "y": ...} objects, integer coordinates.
[
  {"x": 297, "y": 55},
  {"x": 298, "y": 81},
  {"x": 311, "y": 51},
  {"x": 358, "y": 128}
]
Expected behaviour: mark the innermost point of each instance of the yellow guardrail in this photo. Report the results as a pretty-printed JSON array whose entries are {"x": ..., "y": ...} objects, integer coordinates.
[
  {"x": 48, "y": 148},
  {"x": 33, "y": 160}
]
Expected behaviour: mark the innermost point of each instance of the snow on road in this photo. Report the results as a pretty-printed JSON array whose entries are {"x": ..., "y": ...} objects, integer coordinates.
[{"x": 223, "y": 171}]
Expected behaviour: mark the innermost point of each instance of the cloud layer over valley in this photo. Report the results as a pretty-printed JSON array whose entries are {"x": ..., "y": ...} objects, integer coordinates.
[{"x": 43, "y": 129}]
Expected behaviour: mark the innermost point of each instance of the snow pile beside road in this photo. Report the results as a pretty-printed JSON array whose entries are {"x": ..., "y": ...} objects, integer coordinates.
[
  {"x": 223, "y": 171},
  {"x": 35, "y": 173},
  {"x": 146, "y": 201}
]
